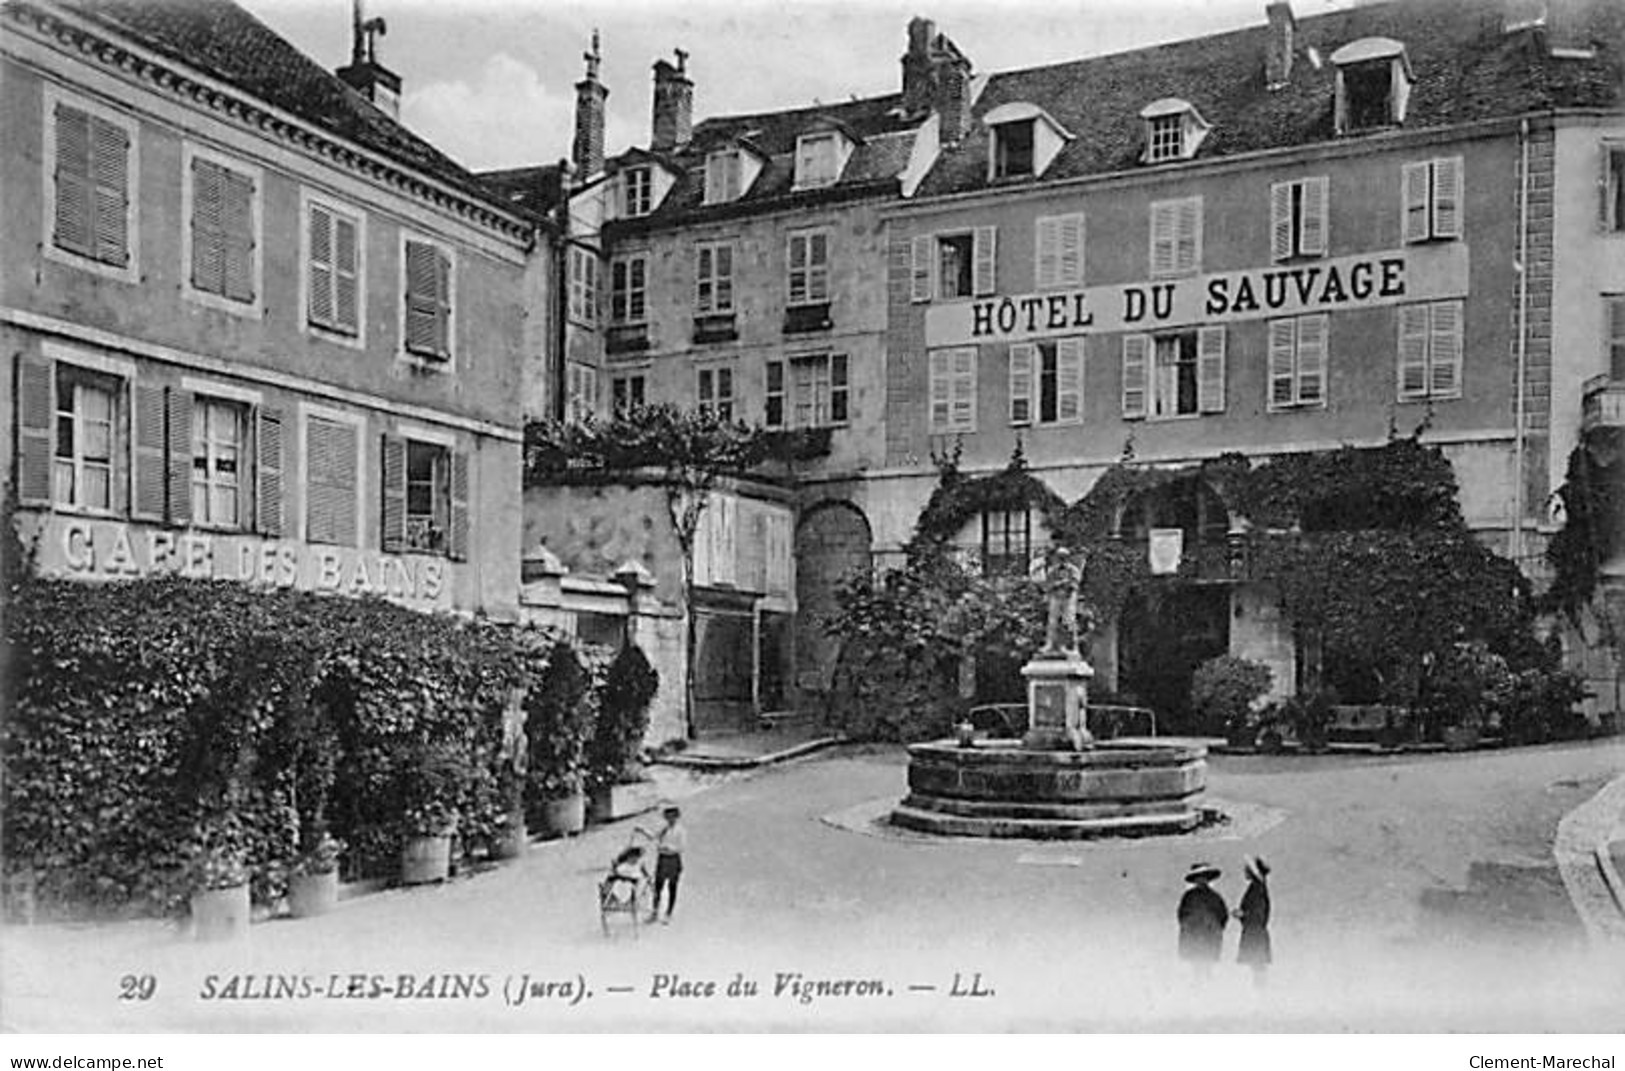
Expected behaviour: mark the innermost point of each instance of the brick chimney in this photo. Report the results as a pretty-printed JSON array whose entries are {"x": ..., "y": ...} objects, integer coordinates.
[
  {"x": 1278, "y": 49},
  {"x": 936, "y": 77},
  {"x": 587, "y": 152},
  {"x": 673, "y": 104},
  {"x": 365, "y": 74}
]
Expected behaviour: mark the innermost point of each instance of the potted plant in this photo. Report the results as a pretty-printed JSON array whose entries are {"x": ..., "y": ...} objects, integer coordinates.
[
  {"x": 313, "y": 886},
  {"x": 616, "y": 783},
  {"x": 219, "y": 900},
  {"x": 1310, "y": 717},
  {"x": 1225, "y": 694},
  {"x": 559, "y": 719},
  {"x": 436, "y": 776}
]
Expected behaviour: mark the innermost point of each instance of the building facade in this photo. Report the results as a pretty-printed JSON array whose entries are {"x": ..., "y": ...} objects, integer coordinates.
[{"x": 254, "y": 329}]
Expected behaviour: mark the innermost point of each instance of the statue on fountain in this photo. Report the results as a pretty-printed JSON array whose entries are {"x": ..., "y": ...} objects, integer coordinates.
[{"x": 1063, "y": 575}]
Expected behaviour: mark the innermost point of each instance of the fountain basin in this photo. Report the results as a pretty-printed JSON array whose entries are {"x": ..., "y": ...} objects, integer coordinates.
[{"x": 998, "y": 788}]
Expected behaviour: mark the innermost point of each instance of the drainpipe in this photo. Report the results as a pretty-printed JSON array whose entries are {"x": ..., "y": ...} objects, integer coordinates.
[{"x": 1518, "y": 445}]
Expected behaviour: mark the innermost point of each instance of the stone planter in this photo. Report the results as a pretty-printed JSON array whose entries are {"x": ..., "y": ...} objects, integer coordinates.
[
  {"x": 614, "y": 802},
  {"x": 220, "y": 914},
  {"x": 564, "y": 817},
  {"x": 310, "y": 895},
  {"x": 514, "y": 838},
  {"x": 425, "y": 859},
  {"x": 1461, "y": 738}
]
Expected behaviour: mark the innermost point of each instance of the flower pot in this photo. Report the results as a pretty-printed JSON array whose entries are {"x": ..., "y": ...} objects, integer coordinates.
[
  {"x": 220, "y": 914},
  {"x": 611, "y": 803},
  {"x": 564, "y": 817},
  {"x": 514, "y": 838},
  {"x": 312, "y": 894},
  {"x": 425, "y": 859}
]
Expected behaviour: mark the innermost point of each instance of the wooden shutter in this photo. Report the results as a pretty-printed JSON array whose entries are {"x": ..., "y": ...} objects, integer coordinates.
[
  {"x": 346, "y": 274},
  {"x": 1313, "y": 236},
  {"x": 74, "y": 225},
  {"x": 110, "y": 176},
  {"x": 984, "y": 265},
  {"x": 392, "y": 481},
  {"x": 237, "y": 234},
  {"x": 1444, "y": 350},
  {"x": 178, "y": 412},
  {"x": 422, "y": 300},
  {"x": 1069, "y": 379},
  {"x": 321, "y": 267},
  {"x": 922, "y": 282},
  {"x": 1615, "y": 336},
  {"x": 1415, "y": 182},
  {"x": 1282, "y": 370},
  {"x": 1023, "y": 358},
  {"x": 36, "y": 413},
  {"x": 1413, "y": 351},
  {"x": 148, "y": 477},
  {"x": 442, "y": 322},
  {"x": 941, "y": 391},
  {"x": 1610, "y": 175},
  {"x": 1312, "y": 358},
  {"x": 1072, "y": 241},
  {"x": 964, "y": 389},
  {"x": 458, "y": 544},
  {"x": 1047, "y": 243},
  {"x": 1281, "y": 221},
  {"x": 1136, "y": 361},
  {"x": 330, "y": 465},
  {"x": 1164, "y": 232},
  {"x": 1188, "y": 250},
  {"x": 208, "y": 241},
  {"x": 268, "y": 469},
  {"x": 1210, "y": 370},
  {"x": 1447, "y": 197}
]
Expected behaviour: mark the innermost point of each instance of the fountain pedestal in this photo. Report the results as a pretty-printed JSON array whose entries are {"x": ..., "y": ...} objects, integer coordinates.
[{"x": 1057, "y": 702}]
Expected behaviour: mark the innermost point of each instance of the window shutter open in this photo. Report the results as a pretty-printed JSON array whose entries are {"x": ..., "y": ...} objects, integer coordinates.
[
  {"x": 458, "y": 543},
  {"x": 1312, "y": 360},
  {"x": 208, "y": 219},
  {"x": 423, "y": 330},
  {"x": 178, "y": 411},
  {"x": 941, "y": 391},
  {"x": 321, "y": 267},
  {"x": 1210, "y": 370},
  {"x": 984, "y": 280},
  {"x": 346, "y": 271},
  {"x": 1610, "y": 174},
  {"x": 268, "y": 468},
  {"x": 393, "y": 482},
  {"x": 109, "y": 175},
  {"x": 1415, "y": 181},
  {"x": 1023, "y": 356},
  {"x": 1315, "y": 203},
  {"x": 1447, "y": 197},
  {"x": 1069, "y": 379},
  {"x": 1413, "y": 351},
  {"x": 964, "y": 389},
  {"x": 1072, "y": 241},
  {"x": 1188, "y": 250},
  {"x": 1282, "y": 345},
  {"x": 921, "y": 283},
  {"x": 36, "y": 411},
  {"x": 1047, "y": 239},
  {"x": 148, "y": 476},
  {"x": 73, "y": 187},
  {"x": 1444, "y": 350},
  {"x": 1280, "y": 220},
  {"x": 1136, "y": 358},
  {"x": 237, "y": 239}
]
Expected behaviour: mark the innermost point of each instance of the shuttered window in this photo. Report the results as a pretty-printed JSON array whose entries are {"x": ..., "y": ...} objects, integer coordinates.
[
  {"x": 85, "y": 450},
  {"x": 92, "y": 186},
  {"x": 1432, "y": 192},
  {"x": 330, "y": 481},
  {"x": 334, "y": 269},
  {"x": 222, "y": 231},
  {"x": 952, "y": 389},
  {"x": 1177, "y": 374},
  {"x": 722, "y": 176},
  {"x": 1176, "y": 236},
  {"x": 1297, "y": 362},
  {"x": 1059, "y": 242},
  {"x": 1046, "y": 382},
  {"x": 1430, "y": 350},
  {"x": 428, "y": 327},
  {"x": 1298, "y": 218},
  {"x": 583, "y": 285},
  {"x": 219, "y": 430}
]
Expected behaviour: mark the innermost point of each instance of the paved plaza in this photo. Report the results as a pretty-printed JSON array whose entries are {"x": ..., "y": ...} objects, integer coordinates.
[{"x": 1411, "y": 893}]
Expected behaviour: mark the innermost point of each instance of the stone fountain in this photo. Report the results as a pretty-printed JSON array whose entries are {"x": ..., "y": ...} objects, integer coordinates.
[{"x": 1056, "y": 782}]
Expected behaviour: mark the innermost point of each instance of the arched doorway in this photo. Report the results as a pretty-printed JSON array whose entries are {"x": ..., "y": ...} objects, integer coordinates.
[{"x": 833, "y": 541}]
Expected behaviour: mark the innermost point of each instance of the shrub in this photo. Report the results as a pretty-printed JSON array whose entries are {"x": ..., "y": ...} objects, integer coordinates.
[
  {"x": 881, "y": 695},
  {"x": 1223, "y": 691},
  {"x": 1310, "y": 716},
  {"x": 558, "y": 722},
  {"x": 1469, "y": 687},
  {"x": 1541, "y": 706},
  {"x": 630, "y": 685}
]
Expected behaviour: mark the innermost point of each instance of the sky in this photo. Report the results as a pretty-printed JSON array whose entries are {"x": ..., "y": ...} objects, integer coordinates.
[{"x": 491, "y": 82}]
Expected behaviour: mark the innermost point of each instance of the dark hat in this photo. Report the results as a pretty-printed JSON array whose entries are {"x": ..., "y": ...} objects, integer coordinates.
[
  {"x": 1257, "y": 868},
  {"x": 1200, "y": 872},
  {"x": 670, "y": 808}
]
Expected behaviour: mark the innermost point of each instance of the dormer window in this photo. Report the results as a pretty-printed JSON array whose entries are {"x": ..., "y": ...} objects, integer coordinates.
[
  {"x": 722, "y": 177},
  {"x": 1373, "y": 84},
  {"x": 818, "y": 160},
  {"x": 1173, "y": 130},
  {"x": 637, "y": 191},
  {"x": 1025, "y": 139}
]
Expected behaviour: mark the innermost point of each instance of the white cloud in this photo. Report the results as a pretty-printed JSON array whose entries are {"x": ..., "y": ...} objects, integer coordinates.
[{"x": 503, "y": 117}]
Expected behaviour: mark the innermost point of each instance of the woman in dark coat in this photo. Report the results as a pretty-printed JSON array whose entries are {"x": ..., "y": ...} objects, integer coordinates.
[
  {"x": 1254, "y": 914},
  {"x": 1202, "y": 918}
]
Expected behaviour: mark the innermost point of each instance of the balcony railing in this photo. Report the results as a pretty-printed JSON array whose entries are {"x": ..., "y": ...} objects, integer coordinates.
[{"x": 1602, "y": 403}]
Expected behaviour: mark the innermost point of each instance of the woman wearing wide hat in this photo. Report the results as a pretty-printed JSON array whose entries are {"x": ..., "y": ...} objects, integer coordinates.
[
  {"x": 1254, "y": 914},
  {"x": 1202, "y": 918}
]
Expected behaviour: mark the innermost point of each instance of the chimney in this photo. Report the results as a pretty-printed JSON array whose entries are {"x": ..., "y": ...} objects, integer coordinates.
[
  {"x": 936, "y": 77},
  {"x": 674, "y": 104},
  {"x": 1278, "y": 49},
  {"x": 365, "y": 74},
  {"x": 587, "y": 152}
]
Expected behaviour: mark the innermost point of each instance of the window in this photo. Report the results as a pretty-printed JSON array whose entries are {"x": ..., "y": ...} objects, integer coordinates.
[
  {"x": 1430, "y": 350},
  {"x": 1013, "y": 148},
  {"x": 331, "y": 480},
  {"x": 429, "y": 300},
  {"x": 722, "y": 177},
  {"x": 333, "y": 266},
  {"x": 87, "y": 409},
  {"x": 1612, "y": 186},
  {"x": 1007, "y": 541},
  {"x": 626, "y": 393},
  {"x": 1059, "y": 240},
  {"x": 628, "y": 288},
  {"x": 1057, "y": 368},
  {"x": 637, "y": 191},
  {"x": 1174, "y": 130},
  {"x": 428, "y": 496},
  {"x": 952, "y": 389},
  {"x": 1298, "y": 219},
  {"x": 1368, "y": 90},
  {"x": 1433, "y": 199},
  {"x": 1166, "y": 139},
  {"x": 808, "y": 259},
  {"x": 219, "y": 431},
  {"x": 714, "y": 278},
  {"x": 221, "y": 237},
  {"x": 815, "y": 394},
  {"x": 1297, "y": 362},
  {"x": 581, "y": 390},
  {"x": 716, "y": 392},
  {"x": 1180, "y": 373},
  {"x": 583, "y": 285},
  {"x": 954, "y": 265},
  {"x": 90, "y": 159},
  {"x": 1615, "y": 337},
  {"x": 1176, "y": 237},
  {"x": 817, "y": 160},
  {"x": 426, "y": 492}
]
